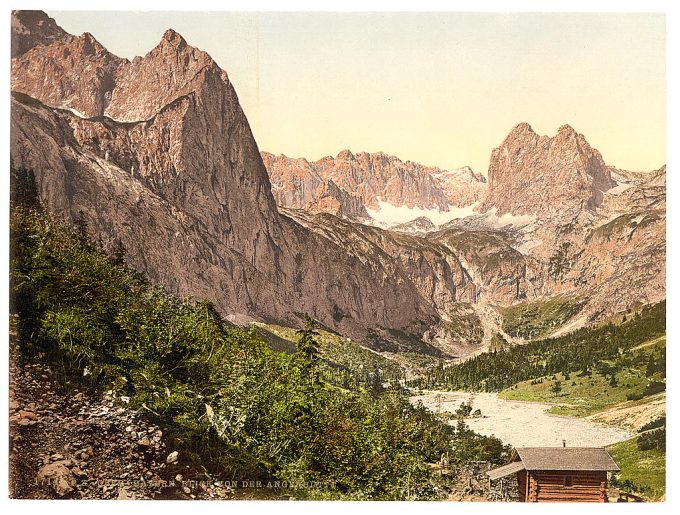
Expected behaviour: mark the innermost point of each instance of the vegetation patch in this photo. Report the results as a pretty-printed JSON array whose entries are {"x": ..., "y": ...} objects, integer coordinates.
[
  {"x": 533, "y": 320},
  {"x": 607, "y": 383},
  {"x": 464, "y": 326},
  {"x": 236, "y": 406},
  {"x": 626, "y": 222},
  {"x": 643, "y": 472},
  {"x": 345, "y": 358},
  {"x": 580, "y": 350}
]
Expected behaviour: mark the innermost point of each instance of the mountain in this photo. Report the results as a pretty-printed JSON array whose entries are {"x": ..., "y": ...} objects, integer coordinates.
[
  {"x": 160, "y": 160},
  {"x": 593, "y": 231},
  {"x": 546, "y": 176},
  {"x": 379, "y": 182},
  {"x": 155, "y": 156},
  {"x": 297, "y": 184}
]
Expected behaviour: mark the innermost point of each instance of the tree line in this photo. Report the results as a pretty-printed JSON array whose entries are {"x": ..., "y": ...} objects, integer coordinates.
[{"x": 580, "y": 350}]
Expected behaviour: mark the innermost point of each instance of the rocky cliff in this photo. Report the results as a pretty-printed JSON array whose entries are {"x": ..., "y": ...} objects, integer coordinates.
[
  {"x": 592, "y": 231},
  {"x": 367, "y": 180},
  {"x": 157, "y": 155},
  {"x": 552, "y": 177}
]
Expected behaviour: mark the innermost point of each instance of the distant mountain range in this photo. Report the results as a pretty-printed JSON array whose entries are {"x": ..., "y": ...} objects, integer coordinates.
[
  {"x": 156, "y": 155},
  {"x": 352, "y": 186}
]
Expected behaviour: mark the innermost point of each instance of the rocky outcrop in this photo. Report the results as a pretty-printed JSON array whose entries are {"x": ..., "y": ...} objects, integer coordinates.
[
  {"x": 462, "y": 186},
  {"x": 72, "y": 73},
  {"x": 82, "y": 444},
  {"x": 296, "y": 184},
  {"x": 419, "y": 226},
  {"x": 370, "y": 179},
  {"x": 33, "y": 28},
  {"x": 622, "y": 259},
  {"x": 448, "y": 267},
  {"x": 551, "y": 177}
]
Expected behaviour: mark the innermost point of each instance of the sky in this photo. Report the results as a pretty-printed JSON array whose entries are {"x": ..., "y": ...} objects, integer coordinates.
[{"x": 441, "y": 89}]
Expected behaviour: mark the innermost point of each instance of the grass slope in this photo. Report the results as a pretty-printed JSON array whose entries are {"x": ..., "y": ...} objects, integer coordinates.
[
  {"x": 646, "y": 469},
  {"x": 342, "y": 352},
  {"x": 533, "y": 320},
  {"x": 584, "y": 395}
]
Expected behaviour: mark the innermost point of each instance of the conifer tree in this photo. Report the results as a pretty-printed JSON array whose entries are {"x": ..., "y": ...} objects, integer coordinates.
[{"x": 307, "y": 344}]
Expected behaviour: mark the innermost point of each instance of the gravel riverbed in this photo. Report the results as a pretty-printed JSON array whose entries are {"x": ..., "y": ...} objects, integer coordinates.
[{"x": 523, "y": 424}]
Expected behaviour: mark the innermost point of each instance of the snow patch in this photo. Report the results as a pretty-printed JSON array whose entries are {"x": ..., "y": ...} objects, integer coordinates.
[
  {"x": 74, "y": 111},
  {"x": 618, "y": 189},
  {"x": 528, "y": 246},
  {"x": 77, "y": 113},
  {"x": 388, "y": 215},
  {"x": 509, "y": 219}
]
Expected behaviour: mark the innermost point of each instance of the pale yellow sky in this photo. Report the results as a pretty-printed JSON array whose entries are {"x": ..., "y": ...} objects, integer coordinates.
[{"x": 441, "y": 89}]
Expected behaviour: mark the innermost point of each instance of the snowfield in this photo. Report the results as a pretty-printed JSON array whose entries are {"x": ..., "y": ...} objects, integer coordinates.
[{"x": 388, "y": 215}]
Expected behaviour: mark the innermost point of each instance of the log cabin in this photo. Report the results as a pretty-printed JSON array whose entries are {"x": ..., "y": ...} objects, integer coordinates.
[{"x": 559, "y": 474}]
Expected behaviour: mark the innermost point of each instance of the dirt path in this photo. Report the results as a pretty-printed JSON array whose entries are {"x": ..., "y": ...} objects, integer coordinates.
[{"x": 524, "y": 424}]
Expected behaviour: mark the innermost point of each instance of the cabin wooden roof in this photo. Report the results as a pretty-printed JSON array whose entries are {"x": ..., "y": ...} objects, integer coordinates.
[
  {"x": 566, "y": 458},
  {"x": 556, "y": 458},
  {"x": 505, "y": 470}
]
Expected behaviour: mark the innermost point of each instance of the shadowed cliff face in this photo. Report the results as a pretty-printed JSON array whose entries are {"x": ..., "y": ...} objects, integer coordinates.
[
  {"x": 33, "y": 28},
  {"x": 164, "y": 162}
]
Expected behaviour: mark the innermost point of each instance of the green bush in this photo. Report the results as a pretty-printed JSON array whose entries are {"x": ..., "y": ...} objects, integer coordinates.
[
  {"x": 655, "y": 439},
  {"x": 581, "y": 350},
  {"x": 653, "y": 424}
]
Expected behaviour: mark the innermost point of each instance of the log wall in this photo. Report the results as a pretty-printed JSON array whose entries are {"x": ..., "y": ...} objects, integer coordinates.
[
  {"x": 522, "y": 485},
  {"x": 549, "y": 486}
]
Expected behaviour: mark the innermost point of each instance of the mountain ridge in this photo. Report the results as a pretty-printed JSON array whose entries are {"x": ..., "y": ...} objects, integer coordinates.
[
  {"x": 156, "y": 155},
  {"x": 373, "y": 178}
]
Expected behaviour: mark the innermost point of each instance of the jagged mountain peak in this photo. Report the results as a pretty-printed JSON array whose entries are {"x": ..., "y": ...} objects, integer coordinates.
[
  {"x": 32, "y": 28},
  {"x": 521, "y": 128},
  {"x": 345, "y": 155},
  {"x": 173, "y": 37},
  {"x": 81, "y": 74},
  {"x": 524, "y": 132},
  {"x": 566, "y": 129},
  {"x": 381, "y": 182},
  {"x": 170, "y": 70},
  {"x": 90, "y": 45},
  {"x": 65, "y": 71},
  {"x": 546, "y": 176}
]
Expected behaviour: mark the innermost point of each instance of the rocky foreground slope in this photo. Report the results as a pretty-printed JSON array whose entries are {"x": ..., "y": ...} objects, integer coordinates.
[
  {"x": 155, "y": 156},
  {"x": 69, "y": 443}
]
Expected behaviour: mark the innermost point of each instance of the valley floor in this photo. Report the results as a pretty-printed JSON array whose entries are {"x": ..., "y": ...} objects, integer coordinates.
[{"x": 521, "y": 423}]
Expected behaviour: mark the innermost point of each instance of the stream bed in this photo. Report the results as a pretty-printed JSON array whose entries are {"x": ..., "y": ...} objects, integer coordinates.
[{"x": 522, "y": 424}]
